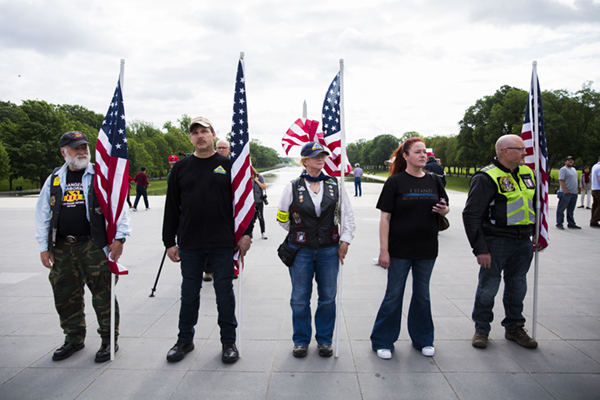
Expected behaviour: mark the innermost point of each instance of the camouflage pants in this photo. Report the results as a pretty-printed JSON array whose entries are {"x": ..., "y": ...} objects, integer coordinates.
[{"x": 75, "y": 266}]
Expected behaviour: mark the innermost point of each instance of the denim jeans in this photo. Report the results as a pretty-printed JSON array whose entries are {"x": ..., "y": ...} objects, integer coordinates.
[
  {"x": 357, "y": 186},
  {"x": 192, "y": 267},
  {"x": 420, "y": 323},
  {"x": 513, "y": 256},
  {"x": 141, "y": 191},
  {"x": 323, "y": 265},
  {"x": 566, "y": 201}
]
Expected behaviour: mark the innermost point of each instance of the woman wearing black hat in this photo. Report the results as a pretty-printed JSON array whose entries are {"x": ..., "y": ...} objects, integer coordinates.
[{"x": 309, "y": 210}]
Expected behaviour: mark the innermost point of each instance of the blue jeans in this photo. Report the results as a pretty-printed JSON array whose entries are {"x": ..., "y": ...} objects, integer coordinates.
[
  {"x": 420, "y": 323},
  {"x": 192, "y": 267},
  {"x": 513, "y": 256},
  {"x": 322, "y": 264},
  {"x": 566, "y": 201},
  {"x": 357, "y": 186}
]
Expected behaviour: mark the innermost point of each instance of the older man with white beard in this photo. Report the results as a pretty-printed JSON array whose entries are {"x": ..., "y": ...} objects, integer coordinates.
[{"x": 71, "y": 231}]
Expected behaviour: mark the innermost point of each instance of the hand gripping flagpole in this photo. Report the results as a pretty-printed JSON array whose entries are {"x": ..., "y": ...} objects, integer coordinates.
[
  {"x": 112, "y": 276},
  {"x": 538, "y": 220},
  {"x": 343, "y": 162}
]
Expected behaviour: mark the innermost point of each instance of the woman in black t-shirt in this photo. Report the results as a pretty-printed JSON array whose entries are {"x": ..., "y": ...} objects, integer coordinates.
[{"x": 408, "y": 235}]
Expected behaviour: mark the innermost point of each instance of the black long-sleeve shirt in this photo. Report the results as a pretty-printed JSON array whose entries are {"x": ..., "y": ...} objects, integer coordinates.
[{"x": 199, "y": 204}]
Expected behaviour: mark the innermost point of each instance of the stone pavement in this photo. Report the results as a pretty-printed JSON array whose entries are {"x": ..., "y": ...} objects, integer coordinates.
[{"x": 565, "y": 366}]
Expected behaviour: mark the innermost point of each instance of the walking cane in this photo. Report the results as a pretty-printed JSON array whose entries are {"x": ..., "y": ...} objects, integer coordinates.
[{"x": 158, "y": 275}]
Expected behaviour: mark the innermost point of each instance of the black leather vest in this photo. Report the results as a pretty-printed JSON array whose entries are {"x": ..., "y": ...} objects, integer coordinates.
[
  {"x": 308, "y": 230},
  {"x": 96, "y": 218}
]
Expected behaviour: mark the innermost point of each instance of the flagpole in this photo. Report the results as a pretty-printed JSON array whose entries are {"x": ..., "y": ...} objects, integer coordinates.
[
  {"x": 112, "y": 276},
  {"x": 304, "y": 110},
  {"x": 536, "y": 152},
  {"x": 343, "y": 162},
  {"x": 240, "y": 266}
]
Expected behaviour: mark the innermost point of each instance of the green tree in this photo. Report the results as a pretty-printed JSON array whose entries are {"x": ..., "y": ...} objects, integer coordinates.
[
  {"x": 31, "y": 140},
  {"x": 487, "y": 120},
  {"x": 81, "y": 114},
  {"x": 353, "y": 149},
  {"x": 4, "y": 163},
  {"x": 376, "y": 151}
]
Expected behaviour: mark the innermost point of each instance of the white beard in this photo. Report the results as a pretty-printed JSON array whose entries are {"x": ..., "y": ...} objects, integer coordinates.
[{"x": 79, "y": 162}]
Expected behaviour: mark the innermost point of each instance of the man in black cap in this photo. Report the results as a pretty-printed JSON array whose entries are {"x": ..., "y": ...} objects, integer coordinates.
[{"x": 71, "y": 231}]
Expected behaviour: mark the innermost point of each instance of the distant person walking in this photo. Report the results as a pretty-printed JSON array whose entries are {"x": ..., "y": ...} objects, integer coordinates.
[
  {"x": 567, "y": 195},
  {"x": 259, "y": 186},
  {"x": 433, "y": 166},
  {"x": 358, "y": 173},
  {"x": 141, "y": 188},
  {"x": 585, "y": 183},
  {"x": 594, "y": 222}
]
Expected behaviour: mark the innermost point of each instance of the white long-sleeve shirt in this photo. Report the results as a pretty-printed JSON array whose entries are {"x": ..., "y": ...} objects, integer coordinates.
[{"x": 349, "y": 225}]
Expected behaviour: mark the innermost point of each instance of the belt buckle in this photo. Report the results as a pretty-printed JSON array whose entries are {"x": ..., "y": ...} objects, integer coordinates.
[{"x": 70, "y": 239}]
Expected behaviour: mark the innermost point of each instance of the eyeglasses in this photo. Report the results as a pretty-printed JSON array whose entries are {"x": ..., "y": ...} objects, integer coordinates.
[
  {"x": 521, "y": 149},
  {"x": 222, "y": 148}
]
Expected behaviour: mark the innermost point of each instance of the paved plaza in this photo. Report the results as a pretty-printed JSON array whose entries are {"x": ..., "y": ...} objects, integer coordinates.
[{"x": 566, "y": 365}]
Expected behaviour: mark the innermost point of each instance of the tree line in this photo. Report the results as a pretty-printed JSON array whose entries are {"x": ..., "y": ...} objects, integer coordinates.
[
  {"x": 30, "y": 132},
  {"x": 572, "y": 126}
]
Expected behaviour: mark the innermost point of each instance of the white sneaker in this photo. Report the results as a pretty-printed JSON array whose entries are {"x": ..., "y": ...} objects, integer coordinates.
[
  {"x": 148, "y": 209},
  {"x": 264, "y": 236},
  {"x": 384, "y": 354},
  {"x": 376, "y": 261},
  {"x": 428, "y": 351}
]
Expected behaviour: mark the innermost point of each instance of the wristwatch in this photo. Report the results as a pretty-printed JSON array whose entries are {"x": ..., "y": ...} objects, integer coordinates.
[{"x": 122, "y": 240}]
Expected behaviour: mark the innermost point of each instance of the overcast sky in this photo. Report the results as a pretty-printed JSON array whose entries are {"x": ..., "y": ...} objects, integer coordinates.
[{"x": 410, "y": 65}]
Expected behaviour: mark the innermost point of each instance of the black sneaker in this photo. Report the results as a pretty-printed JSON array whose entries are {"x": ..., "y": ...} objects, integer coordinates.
[
  {"x": 574, "y": 227},
  {"x": 300, "y": 351},
  {"x": 520, "y": 336},
  {"x": 325, "y": 350},
  {"x": 562, "y": 228}
]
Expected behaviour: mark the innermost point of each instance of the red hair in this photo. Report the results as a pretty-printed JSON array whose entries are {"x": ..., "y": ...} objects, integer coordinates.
[{"x": 399, "y": 163}]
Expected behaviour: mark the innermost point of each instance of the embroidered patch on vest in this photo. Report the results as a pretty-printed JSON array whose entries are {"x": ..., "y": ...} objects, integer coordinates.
[
  {"x": 336, "y": 235},
  {"x": 219, "y": 170},
  {"x": 300, "y": 237},
  {"x": 528, "y": 181},
  {"x": 330, "y": 182},
  {"x": 296, "y": 216},
  {"x": 56, "y": 181},
  {"x": 506, "y": 184},
  {"x": 52, "y": 201}
]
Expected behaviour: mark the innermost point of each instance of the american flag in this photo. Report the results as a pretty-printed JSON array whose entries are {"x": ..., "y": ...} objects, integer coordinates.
[
  {"x": 527, "y": 134},
  {"x": 302, "y": 131},
  {"x": 305, "y": 130},
  {"x": 331, "y": 129},
  {"x": 112, "y": 170},
  {"x": 241, "y": 167}
]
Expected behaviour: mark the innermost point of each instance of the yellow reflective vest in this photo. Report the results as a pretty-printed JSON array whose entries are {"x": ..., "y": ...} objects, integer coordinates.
[{"x": 513, "y": 203}]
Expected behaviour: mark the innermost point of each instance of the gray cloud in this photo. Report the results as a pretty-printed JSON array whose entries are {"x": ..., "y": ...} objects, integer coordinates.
[
  {"x": 52, "y": 29},
  {"x": 546, "y": 13}
]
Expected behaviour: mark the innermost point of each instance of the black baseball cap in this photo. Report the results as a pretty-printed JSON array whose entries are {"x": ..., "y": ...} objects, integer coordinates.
[
  {"x": 312, "y": 149},
  {"x": 73, "y": 139}
]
